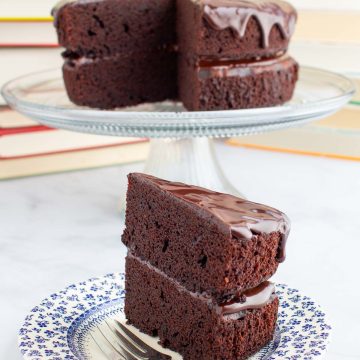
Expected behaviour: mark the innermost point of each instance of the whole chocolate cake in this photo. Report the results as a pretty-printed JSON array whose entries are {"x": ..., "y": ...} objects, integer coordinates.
[
  {"x": 198, "y": 266},
  {"x": 210, "y": 54}
]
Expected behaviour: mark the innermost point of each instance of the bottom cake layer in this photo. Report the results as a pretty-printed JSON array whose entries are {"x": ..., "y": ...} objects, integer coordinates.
[
  {"x": 190, "y": 324},
  {"x": 121, "y": 80},
  {"x": 225, "y": 84}
]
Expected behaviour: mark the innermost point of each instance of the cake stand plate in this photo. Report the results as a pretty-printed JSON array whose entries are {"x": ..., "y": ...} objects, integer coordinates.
[
  {"x": 66, "y": 324},
  {"x": 180, "y": 147}
]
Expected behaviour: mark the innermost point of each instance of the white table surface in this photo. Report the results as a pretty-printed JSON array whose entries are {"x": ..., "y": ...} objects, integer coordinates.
[{"x": 61, "y": 229}]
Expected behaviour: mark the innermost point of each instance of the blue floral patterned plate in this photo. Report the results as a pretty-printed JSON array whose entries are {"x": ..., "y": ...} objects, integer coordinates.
[{"x": 61, "y": 327}]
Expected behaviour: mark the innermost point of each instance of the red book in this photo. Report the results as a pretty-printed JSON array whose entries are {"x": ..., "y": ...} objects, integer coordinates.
[
  {"x": 12, "y": 121},
  {"x": 28, "y": 148},
  {"x": 39, "y": 150}
]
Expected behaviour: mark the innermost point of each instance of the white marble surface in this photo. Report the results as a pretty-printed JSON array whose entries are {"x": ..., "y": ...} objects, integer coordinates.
[{"x": 60, "y": 229}]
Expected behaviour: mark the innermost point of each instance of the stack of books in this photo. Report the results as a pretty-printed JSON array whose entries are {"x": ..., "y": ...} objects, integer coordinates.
[
  {"x": 27, "y": 148},
  {"x": 28, "y": 44},
  {"x": 328, "y": 37},
  {"x": 28, "y": 41}
]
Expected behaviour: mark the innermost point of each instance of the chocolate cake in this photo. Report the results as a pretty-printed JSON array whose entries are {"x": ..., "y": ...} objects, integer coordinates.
[
  {"x": 210, "y": 54},
  {"x": 118, "y": 53},
  {"x": 235, "y": 29},
  {"x": 232, "y": 53},
  {"x": 198, "y": 266},
  {"x": 194, "y": 325},
  {"x": 229, "y": 84}
]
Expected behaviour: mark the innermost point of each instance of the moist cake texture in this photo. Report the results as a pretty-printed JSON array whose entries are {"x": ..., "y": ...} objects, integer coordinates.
[
  {"x": 232, "y": 53},
  {"x": 198, "y": 266},
  {"x": 111, "y": 44},
  {"x": 190, "y": 324},
  {"x": 105, "y": 82},
  {"x": 217, "y": 85},
  {"x": 223, "y": 245},
  {"x": 118, "y": 53},
  {"x": 235, "y": 29}
]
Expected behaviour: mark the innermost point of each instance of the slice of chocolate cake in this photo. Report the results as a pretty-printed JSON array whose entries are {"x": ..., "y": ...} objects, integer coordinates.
[
  {"x": 118, "y": 53},
  {"x": 223, "y": 245},
  {"x": 197, "y": 268},
  {"x": 232, "y": 53}
]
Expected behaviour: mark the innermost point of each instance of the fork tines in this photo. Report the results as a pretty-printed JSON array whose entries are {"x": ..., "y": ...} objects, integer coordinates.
[{"x": 117, "y": 342}]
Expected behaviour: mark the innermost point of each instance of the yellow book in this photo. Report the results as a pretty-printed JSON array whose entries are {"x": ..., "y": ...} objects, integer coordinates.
[
  {"x": 23, "y": 10},
  {"x": 328, "y": 26},
  {"x": 338, "y": 137}
]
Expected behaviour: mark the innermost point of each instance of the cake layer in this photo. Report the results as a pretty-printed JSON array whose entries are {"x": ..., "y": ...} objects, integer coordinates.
[
  {"x": 234, "y": 28},
  {"x": 118, "y": 81},
  {"x": 229, "y": 84},
  {"x": 190, "y": 324},
  {"x": 112, "y": 26},
  {"x": 209, "y": 242}
]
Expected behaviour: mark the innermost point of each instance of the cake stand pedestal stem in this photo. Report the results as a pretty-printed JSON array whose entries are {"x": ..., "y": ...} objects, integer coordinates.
[{"x": 191, "y": 161}]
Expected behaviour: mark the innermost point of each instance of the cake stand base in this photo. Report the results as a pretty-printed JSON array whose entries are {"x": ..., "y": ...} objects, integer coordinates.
[{"x": 191, "y": 161}]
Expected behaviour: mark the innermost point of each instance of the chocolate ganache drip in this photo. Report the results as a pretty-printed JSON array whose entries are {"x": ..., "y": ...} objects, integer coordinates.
[
  {"x": 245, "y": 218},
  {"x": 235, "y": 14}
]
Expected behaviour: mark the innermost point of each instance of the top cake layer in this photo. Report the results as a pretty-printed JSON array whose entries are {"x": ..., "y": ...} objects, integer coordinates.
[
  {"x": 235, "y": 28},
  {"x": 209, "y": 242},
  {"x": 216, "y": 28},
  {"x": 107, "y": 27}
]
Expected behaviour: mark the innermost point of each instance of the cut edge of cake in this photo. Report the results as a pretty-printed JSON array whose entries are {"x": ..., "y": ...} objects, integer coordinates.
[{"x": 212, "y": 255}]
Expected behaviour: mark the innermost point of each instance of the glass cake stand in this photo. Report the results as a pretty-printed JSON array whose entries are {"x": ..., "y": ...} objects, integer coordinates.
[{"x": 180, "y": 146}]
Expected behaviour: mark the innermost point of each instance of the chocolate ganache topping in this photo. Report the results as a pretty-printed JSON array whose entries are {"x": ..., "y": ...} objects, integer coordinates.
[
  {"x": 245, "y": 218},
  {"x": 235, "y": 14}
]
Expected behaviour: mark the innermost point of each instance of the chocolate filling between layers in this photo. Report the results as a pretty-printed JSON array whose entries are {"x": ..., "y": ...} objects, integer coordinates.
[
  {"x": 251, "y": 299},
  {"x": 227, "y": 68}
]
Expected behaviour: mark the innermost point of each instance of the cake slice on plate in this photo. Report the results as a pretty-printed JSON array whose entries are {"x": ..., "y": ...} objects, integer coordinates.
[{"x": 198, "y": 266}]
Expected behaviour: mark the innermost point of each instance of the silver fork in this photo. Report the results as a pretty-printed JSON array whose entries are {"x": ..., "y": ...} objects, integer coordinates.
[{"x": 122, "y": 344}]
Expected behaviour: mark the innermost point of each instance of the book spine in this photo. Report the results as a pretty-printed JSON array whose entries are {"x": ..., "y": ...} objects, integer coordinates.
[
  {"x": 29, "y": 45},
  {"x": 81, "y": 149},
  {"x": 26, "y": 19},
  {"x": 23, "y": 130}
]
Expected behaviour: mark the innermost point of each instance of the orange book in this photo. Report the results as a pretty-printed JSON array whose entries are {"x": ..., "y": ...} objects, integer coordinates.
[{"x": 337, "y": 136}]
